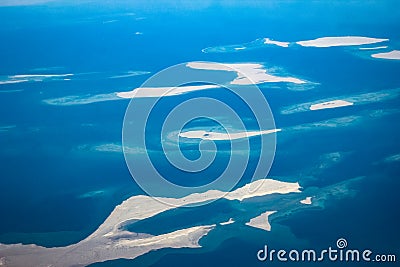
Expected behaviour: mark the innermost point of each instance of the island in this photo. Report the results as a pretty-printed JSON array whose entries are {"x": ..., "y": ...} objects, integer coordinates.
[
  {"x": 278, "y": 43},
  {"x": 340, "y": 41},
  {"x": 395, "y": 55},
  {"x": 145, "y": 92},
  {"x": 218, "y": 136},
  {"x": 261, "y": 221},
  {"x": 230, "y": 221},
  {"x": 306, "y": 201},
  {"x": 331, "y": 104}
]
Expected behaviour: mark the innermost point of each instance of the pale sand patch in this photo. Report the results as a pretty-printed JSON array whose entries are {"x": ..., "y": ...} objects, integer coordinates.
[
  {"x": 34, "y": 76},
  {"x": 112, "y": 148},
  {"x": 144, "y": 92},
  {"x": 21, "y": 78},
  {"x": 130, "y": 74},
  {"x": 125, "y": 245},
  {"x": 262, "y": 187},
  {"x": 330, "y": 123},
  {"x": 119, "y": 149},
  {"x": 7, "y": 128},
  {"x": 331, "y": 104},
  {"x": 215, "y": 136},
  {"x": 261, "y": 222},
  {"x": 13, "y": 81},
  {"x": 392, "y": 158},
  {"x": 247, "y": 73},
  {"x": 172, "y": 240},
  {"x": 340, "y": 41},
  {"x": 81, "y": 99},
  {"x": 230, "y": 221},
  {"x": 282, "y": 44},
  {"x": 95, "y": 193},
  {"x": 306, "y": 201},
  {"x": 395, "y": 54}
]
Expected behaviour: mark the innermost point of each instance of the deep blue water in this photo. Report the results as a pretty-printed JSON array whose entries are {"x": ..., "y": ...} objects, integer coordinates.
[{"x": 47, "y": 162}]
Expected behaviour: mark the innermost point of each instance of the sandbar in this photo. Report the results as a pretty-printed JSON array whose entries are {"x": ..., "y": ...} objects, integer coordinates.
[
  {"x": 218, "y": 136},
  {"x": 33, "y": 76},
  {"x": 340, "y": 41},
  {"x": 331, "y": 104},
  {"x": 278, "y": 43},
  {"x": 373, "y": 48},
  {"x": 359, "y": 99},
  {"x": 392, "y": 158},
  {"x": 13, "y": 81},
  {"x": 230, "y": 221},
  {"x": 126, "y": 245},
  {"x": 395, "y": 55},
  {"x": 306, "y": 201},
  {"x": 130, "y": 74},
  {"x": 144, "y": 92},
  {"x": 261, "y": 221}
]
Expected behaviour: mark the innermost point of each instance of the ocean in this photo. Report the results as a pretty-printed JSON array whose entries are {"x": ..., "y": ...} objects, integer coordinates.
[{"x": 62, "y": 168}]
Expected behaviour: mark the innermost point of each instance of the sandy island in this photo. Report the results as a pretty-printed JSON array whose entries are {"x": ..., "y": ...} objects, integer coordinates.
[
  {"x": 340, "y": 41},
  {"x": 331, "y": 104},
  {"x": 373, "y": 48},
  {"x": 215, "y": 136},
  {"x": 144, "y": 92},
  {"x": 261, "y": 221},
  {"x": 282, "y": 44},
  {"x": 247, "y": 73},
  {"x": 230, "y": 221},
  {"x": 111, "y": 241},
  {"x": 395, "y": 54},
  {"x": 306, "y": 201},
  {"x": 13, "y": 81}
]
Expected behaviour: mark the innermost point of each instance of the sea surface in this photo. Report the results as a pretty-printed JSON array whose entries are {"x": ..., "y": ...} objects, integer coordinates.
[{"x": 62, "y": 171}]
